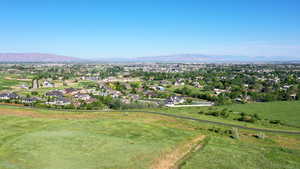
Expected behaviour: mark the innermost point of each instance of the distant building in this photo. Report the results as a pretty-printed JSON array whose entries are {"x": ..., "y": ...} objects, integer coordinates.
[
  {"x": 30, "y": 100},
  {"x": 175, "y": 100},
  {"x": 82, "y": 96},
  {"x": 54, "y": 93},
  {"x": 160, "y": 88},
  {"x": 219, "y": 91},
  {"x": 70, "y": 91},
  {"x": 48, "y": 84},
  {"x": 23, "y": 86},
  {"x": 9, "y": 96},
  {"x": 61, "y": 101}
]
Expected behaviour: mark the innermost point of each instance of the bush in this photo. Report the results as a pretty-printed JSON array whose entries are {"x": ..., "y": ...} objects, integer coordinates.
[
  {"x": 248, "y": 117},
  {"x": 260, "y": 135},
  {"x": 201, "y": 112},
  {"x": 215, "y": 130},
  {"x": 275, "y": 122},
  {"x": 216, "y": 113},
  {"x": 34, "y": 93}
]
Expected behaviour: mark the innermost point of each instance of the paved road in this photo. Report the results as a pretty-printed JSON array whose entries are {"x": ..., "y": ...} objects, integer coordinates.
[
  {"x": 220, "y": 123},
  {"x": 191, "y": 105}
]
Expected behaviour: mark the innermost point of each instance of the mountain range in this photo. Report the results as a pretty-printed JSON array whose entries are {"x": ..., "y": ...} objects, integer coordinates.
[
  {"x": 176, "y": 58},
  {"x": 36, "y": 57}
]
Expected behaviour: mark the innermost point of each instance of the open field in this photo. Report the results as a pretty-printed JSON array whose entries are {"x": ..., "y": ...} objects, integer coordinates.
[
  {"x": 225, "y": 153},
  {"x": 7, "y": 84},
  {"x": 113, "y": 140},
  {"x": 46, "y": 139},
  {"x": 286, "y": 112}
]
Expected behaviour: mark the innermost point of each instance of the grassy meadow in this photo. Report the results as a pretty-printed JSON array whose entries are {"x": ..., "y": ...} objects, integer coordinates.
[
  {"x": 46, "y": 139},
  {"x": 113, "y": 140},
  {"x": 7, "y": 84},
  {"x": 247, "y": 153},
  {"x": 286, "y": 112}
]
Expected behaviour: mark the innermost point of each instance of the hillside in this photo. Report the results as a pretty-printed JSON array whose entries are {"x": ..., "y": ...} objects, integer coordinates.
[
  {"x": 36, "y": 57},
  {"x": 37, "y": 138}
]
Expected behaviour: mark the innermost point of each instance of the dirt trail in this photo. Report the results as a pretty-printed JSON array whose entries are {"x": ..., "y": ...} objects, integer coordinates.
[{"x": 170, "y": 160}]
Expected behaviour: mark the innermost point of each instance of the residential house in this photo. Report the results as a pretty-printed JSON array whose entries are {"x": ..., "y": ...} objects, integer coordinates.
[
  {"x": 82, "y": 96},
  {"x": 160, "y": 88},
  {"x": 48, "y": 84},
  {"x": 30, "y": 100},
  {"x": 61, "y": 101},
  {"x": 55, "y": 93},
  {"x": 70, "y": 91},
  {"x": 134, "y": 97},
  {"x": 219, "y": 91},
  {"x": 9, "y": 96},
  {"x": 23, "y": 86},
  {"x": 174, "y": 100}
]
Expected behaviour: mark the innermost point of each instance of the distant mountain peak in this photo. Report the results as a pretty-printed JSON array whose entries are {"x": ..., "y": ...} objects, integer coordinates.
[{"x": 36, "y": 57}]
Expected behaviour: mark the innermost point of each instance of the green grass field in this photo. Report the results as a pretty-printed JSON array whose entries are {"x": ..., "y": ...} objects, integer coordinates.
[
  {"x": 288, "y": 112},
  {"x": 114, "y": 140},
  {"x": 46, "y": 139},
  {"x": 225, "y": 153},
  {"x": 6, "y": 84}
]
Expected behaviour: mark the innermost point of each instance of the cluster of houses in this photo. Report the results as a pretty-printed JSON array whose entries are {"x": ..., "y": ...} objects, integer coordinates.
[
  {"x": 69, "y": 96},
  {"x": 9, "y": 96},
  {"x": 13, "y": 96},
  {"x": 164, "y": 67},
  {"x": 76, "y": 97},
  {"x": 148, "y": 89},
  {"x": 53, "y": 97}
]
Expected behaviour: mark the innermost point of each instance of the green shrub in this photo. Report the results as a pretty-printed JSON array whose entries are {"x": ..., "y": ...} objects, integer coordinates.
[
  {"x": 260, "y": 135},
  {"x": 275, "y": 122}
]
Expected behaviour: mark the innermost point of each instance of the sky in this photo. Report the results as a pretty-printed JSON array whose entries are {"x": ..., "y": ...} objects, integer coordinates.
[{"x": 135, "y": 28}]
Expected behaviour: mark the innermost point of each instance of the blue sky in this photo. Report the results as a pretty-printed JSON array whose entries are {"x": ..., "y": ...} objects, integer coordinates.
[{"x": 128, "y": 28}]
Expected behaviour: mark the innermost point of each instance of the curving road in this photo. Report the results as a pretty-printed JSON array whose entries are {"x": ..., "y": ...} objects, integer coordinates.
[{"x": 220, "y": 123}]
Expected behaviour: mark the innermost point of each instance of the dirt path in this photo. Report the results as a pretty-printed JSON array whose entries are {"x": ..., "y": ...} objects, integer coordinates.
[{"x": 171, "y": 159}]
